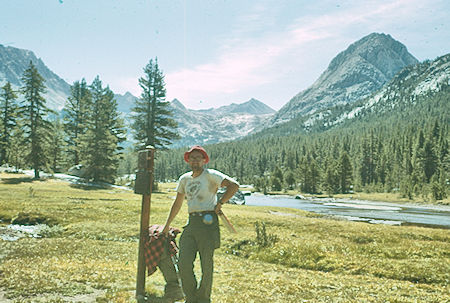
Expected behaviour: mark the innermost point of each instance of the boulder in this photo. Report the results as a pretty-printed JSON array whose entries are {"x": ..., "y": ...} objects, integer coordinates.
[{"x": 238, "y": 197}]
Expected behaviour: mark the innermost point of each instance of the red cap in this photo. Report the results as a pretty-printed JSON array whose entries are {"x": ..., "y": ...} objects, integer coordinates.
[{"x": 197, "y": 148}]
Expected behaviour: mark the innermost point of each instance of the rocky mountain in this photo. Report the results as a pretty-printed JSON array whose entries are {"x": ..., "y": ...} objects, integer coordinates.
[
  {"x": 253, "y": 107},
  {"x": 410, "y": 87},
  {"x": 207, "y": 126},
  {"x": 221, "y": 124},
  {"x": 364, "y": 67},
  {"x": 14, "y": 61},
  {"x": 195, "y": 126},
  {"x": 416, "y": 89},
  {"x": 125, "y": 102}
]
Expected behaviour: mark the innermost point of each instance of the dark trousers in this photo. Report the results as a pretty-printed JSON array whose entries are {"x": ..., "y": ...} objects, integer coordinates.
[
  {"x": 201, "y": 238},
  {"x": 170, "y": 275}
]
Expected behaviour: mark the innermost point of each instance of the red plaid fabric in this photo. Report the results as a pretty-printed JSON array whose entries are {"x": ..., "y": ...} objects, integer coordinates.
[{"x": 156, "y": 245}]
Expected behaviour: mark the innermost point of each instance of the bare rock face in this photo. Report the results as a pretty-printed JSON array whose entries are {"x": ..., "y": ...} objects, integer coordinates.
[
  {"x": 363, "y": 68},
  {"x": 221, "y": 124},
  {"x": 14, "y": 61}
]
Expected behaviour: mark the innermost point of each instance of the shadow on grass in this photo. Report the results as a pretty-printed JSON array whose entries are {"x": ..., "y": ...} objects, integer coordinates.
[
  {"x": 152, "y": 298},
  {"x": 88, "y": 186},
  {"x": 15, "y": 181}
]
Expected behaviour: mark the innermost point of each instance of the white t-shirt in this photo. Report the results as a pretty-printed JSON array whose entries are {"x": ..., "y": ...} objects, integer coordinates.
[{"x": 201, "y": 191}]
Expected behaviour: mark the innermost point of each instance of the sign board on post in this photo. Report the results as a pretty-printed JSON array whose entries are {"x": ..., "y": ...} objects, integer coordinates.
[{"x": 143, "y": 186}]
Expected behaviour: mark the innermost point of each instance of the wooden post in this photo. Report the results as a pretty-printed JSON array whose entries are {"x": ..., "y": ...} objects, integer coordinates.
[{"x": 145, "y": 179}]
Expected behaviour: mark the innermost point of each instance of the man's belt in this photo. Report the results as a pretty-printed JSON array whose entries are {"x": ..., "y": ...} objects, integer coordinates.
[{"x": 201, "y": 213}]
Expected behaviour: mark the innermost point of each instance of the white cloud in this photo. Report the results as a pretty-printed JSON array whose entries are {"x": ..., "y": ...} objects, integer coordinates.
[{"x": 248, "y": 62}]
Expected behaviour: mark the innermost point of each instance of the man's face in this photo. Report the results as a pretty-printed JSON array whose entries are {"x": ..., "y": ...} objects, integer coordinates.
[{"x": 196, "y": 159}]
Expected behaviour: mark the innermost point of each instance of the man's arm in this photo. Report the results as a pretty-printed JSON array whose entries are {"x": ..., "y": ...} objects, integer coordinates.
[
  {"x": 176, "y": 206},
  {"x": 232, "y": 188}
]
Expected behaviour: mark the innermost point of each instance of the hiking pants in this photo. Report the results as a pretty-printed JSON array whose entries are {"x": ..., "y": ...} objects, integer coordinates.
[
  {"x": 170, "y": 275},
  {"x": 202, "y": 238}
]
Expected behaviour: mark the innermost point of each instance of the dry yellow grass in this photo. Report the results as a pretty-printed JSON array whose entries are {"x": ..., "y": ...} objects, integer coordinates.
[{"x": 314, "y": 260}]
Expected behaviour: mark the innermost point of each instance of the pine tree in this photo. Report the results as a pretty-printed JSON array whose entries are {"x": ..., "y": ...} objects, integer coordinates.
[
  {"x": 56, "y": 148},
  {"x": 76, "y": 113},
  {"x": 100, "y": 150},
  {"x": 8, "y": 116},
  {"x": 153, "y": 123},
  {"x": 290, "y": 180},
  {"x": 275, "y": 183},
  {"x": 276, "y": 179},
  {"x": 17, "y": 151},
  {"x": 34, "y": 113},
  {"x": 331, "y": 179},
  {"x": 314, "y": 176},
  {"x": 278, "y": 174},
  {"x": 303, "y": 172},
  {"x": 345, "y": 172},
  {"x": 262, "y": 164},
  {"x": 429, "y": 160}
]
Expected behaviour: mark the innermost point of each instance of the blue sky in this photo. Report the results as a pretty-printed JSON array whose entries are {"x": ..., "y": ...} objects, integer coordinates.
[{"x": 214, "y": 53}]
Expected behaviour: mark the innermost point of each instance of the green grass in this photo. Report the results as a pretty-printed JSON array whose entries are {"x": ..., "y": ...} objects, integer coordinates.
[{"x": 310, "y": 259}]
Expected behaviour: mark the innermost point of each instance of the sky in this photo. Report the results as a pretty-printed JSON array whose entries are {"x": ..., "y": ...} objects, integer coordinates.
[{"x": 212, "y": 52}]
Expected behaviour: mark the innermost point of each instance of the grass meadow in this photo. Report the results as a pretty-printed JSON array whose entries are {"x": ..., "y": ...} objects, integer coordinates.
[{"x": 89, "y": 252}]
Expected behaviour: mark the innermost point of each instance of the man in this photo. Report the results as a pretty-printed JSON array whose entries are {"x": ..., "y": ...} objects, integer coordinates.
[{"x": 201, "y": 234}]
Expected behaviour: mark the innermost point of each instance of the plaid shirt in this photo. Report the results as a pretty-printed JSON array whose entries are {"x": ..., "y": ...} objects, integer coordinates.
[{"x": 156, "y": 244}]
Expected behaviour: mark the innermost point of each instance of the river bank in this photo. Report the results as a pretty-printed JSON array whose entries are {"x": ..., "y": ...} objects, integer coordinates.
[
  {"x": 377, "y": 197},
  {"x": 374, "y": 212}
]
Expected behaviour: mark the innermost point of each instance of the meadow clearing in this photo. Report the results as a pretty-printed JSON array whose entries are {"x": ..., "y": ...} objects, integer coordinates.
[{"x": 88, "y": 253}]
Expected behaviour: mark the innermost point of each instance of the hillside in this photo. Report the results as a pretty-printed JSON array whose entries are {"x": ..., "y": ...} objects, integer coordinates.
[
  {"x": 14, "y": 61},
  {"x": 395, "y": 141},
  {"x": 406, "y": 92},
  {"x": 354, "y": 74},
  {"x": 221, "y": 124}
]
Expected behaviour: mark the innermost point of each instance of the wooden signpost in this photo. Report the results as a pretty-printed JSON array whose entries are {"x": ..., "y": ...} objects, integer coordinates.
[{"x": 143, "y": 186}]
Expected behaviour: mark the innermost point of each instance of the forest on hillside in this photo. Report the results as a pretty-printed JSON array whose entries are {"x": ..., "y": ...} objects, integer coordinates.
[
  {"x": 403, "y": 146},
  {"x": 405, "y": 151}
]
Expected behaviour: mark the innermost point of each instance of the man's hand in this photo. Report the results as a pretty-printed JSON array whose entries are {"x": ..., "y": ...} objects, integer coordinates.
[
  {"x": 218, "y": 208},
  {"x": 165, "y": 231}
]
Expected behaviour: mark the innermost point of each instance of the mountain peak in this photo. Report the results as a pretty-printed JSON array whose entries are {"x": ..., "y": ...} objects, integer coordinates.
[
  {"x": 14, "y": 61},
  {"x": 380, "y": 50},
  {"x": 175, "y": 103},
  {"x": 252, "y": 106},
  {"x": 355, "y": 73}
]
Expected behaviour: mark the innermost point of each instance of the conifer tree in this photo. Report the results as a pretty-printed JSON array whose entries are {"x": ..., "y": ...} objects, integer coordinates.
[
  {"x": 17, "y": 152},
  {"x": 76, "y": 112},
  {"x": 56, "y": 148},
  {"x": 314, "y": 177},
  {"x": 275, "y": 183},
  {"x": 345, "y": 172},
  {"x": 330, "y": 180},
  {"x": 8, "y": 116},
  {"x": 99, "y": 145},
  {"x": 262, "y": 164},
  {"x": 277, "y": 179},
  {"x": 278, "y": 174},
  {"x": 429, "y": 160},
  {"x": 290, "y": 180},
  {"x": 153, "y": 123},
  {"x": 34, "y": 112}
]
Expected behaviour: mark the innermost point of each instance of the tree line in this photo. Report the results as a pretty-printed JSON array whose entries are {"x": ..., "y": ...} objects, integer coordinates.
[
  {"x": 405, "y": 151},
  {"x": 88, "y": 131}
]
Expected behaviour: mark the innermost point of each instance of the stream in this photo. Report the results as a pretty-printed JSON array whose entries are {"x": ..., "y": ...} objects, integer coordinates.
[{"x": 437, "y": 216}]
